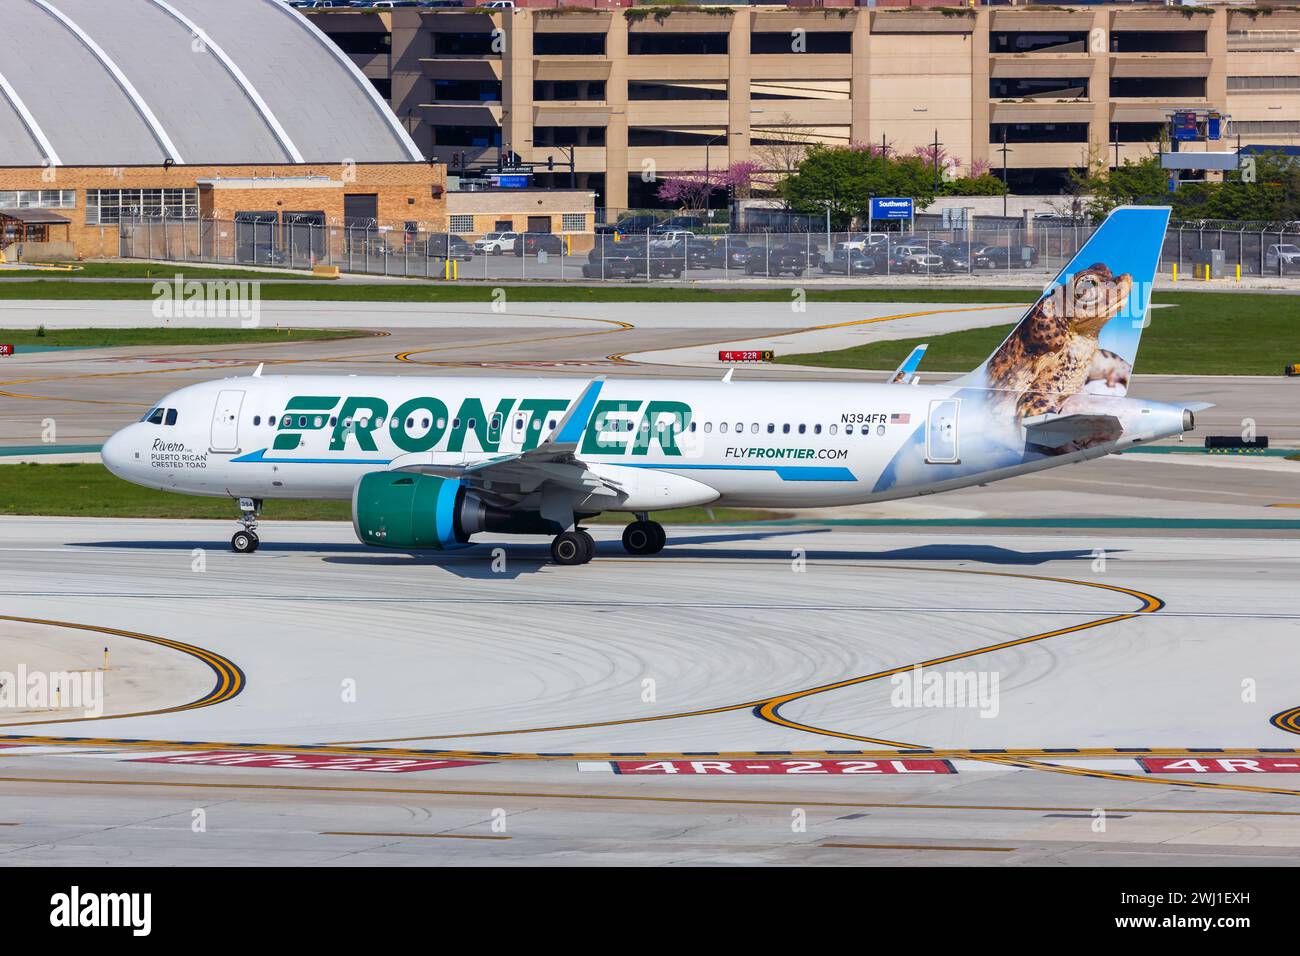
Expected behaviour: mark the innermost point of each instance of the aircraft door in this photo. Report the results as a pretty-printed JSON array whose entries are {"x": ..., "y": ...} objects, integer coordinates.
[
  {"x": 941, "y": 432},
  {"x": 225, "y": 420}
]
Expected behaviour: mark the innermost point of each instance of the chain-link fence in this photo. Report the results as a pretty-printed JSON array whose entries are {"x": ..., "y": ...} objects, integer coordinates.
[{"x": 1014, "y": 249}]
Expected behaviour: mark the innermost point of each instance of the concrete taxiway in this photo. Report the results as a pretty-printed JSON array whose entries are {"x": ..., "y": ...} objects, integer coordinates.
[
  {"x": 731, "y": 700},
  {"x": 755, "y": 646}
]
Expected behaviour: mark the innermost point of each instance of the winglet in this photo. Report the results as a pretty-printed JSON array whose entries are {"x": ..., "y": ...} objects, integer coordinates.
[
  {"x": 576, "y": 418},
  {"x": 903, "y": 374}
]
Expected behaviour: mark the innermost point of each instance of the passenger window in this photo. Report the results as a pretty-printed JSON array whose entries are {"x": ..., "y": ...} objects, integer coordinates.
[
  {"x": 424, "y": 422},
  {"x": 817, "y": 429},
  {"x": 848, "y": 429},
  {"x": 455, "y": 423},
  {"x": 334, "y": 420},
  {"x": 708, "y": 427},
  {"x": 271, "y": 421},
  {"x": 692, "y": 426},
  {"x": 442, "y": 423},
  {"x": 495, "y": 424},
  {"x": 835, "y": 429},
  {"x": 722, "y": 427},
  {"x": 257, "y": 419},
  {"x": 156, "y": 417},
  {"x": 537, "y": 424},
  {"x": 171, "y": 416},
  {"x": 753, "y": 429},
  {"x": 302, "y": 421},
  {"x": 519, "y": 423},
  {"x": 770, "y": 428},
  {"x": 319, "y": 421},
  {"x": 551, "y": 424},
  {"x": 785, "y": 429},
  {"x": 802, "y": 429},
  {"x": 740, "y": 427},
  {"x": 471, "y": 424}
]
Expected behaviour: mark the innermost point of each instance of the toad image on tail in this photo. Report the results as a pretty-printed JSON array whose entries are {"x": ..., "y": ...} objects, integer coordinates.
[{"x": 1082, "y": 334}]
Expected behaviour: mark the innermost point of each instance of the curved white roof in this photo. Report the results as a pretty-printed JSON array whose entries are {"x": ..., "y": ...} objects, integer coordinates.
[{"x": 203, "y": 82}]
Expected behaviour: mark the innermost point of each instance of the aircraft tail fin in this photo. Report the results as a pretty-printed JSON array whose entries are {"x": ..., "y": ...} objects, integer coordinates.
[{"x": 1083, "y": 332}]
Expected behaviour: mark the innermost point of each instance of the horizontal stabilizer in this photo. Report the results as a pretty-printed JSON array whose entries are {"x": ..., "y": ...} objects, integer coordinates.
[
  {"x": 904, "y": 373},
  {"x": 1057, "y": 431}
]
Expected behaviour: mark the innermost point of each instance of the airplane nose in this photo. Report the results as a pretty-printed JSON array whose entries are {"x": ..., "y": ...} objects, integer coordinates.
[{"x": 116, "y": 452}]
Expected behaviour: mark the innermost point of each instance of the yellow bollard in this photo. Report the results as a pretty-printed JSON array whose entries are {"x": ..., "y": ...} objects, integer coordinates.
[
  {"x": 106, "y": 658},
  {"x": 1238, "y": 272},
  {"x": 1175, "y": 272}
]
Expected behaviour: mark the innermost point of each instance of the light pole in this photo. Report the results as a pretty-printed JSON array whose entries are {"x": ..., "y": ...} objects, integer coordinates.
[{"x": 1004, "y": 152}]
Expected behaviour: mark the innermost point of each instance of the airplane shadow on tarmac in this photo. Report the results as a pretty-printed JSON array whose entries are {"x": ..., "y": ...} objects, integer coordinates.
[{"x": 479, "y": 561}]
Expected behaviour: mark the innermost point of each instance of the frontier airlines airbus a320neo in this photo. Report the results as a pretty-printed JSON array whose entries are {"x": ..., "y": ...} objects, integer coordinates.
[{"x": 429, "y": 462}]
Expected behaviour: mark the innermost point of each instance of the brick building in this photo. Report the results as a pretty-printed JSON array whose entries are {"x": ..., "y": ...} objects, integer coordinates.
[{"x": 187, "y": 110}]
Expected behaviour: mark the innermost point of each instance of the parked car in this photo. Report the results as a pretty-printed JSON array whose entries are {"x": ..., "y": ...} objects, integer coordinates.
[
  {"x": 864, "y": 242},
  {"x": 1007, "y": 257},
  {"x": 438, "y": 242},
  {"x": 531, "y": 243},
  {"x": 677, "y": 223},
  {"x": 672, "y": 236},
  {"x": 774, "y": 261},
  {"x": 629, "y": 225},
  {"x": 924, "y": 262},
  {"x": 1284, "y": 257},
  {"x": 496, "y": 243},
  {"x": 848, "y": 262},
  {"x": 262, "y": 254}
]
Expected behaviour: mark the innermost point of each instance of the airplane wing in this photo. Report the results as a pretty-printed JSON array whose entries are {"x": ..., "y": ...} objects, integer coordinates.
[
  {"x": 1056, "y": 431},
  {"x": 508, "y": 478},
  {"x": 904, "y": 373}
]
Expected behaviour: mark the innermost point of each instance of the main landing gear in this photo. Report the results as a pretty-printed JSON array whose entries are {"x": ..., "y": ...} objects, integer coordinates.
[
  {"x": 246, "y": 541},
  {"x": 644, "y": 537},
  {"x": 573, "y": 547}
]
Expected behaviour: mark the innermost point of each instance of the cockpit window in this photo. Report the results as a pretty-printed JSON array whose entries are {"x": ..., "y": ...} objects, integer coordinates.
[
  {"x": 171, "y": 416},
  {"x": 156, "y": 416}
]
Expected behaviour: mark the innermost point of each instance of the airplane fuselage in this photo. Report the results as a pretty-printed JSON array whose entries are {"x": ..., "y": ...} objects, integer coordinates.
[{"x": 664, "y": 443}]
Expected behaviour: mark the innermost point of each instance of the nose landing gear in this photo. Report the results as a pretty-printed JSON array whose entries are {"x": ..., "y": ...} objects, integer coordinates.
[{"x": 246, "y": 541}]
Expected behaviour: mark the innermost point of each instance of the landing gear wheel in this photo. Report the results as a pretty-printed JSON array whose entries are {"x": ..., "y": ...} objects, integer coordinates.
[
  {"x": 572, "y": 547},
  {"x": 644, "y": 537},
  {"x": 244, "y": 542}
]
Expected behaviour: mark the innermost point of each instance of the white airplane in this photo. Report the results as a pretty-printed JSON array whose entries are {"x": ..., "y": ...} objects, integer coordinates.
[{"x": 429, "y": 462}]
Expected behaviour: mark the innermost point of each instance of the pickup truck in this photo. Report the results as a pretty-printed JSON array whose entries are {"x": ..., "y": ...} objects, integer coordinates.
[{"x": 1283, "y": 257}]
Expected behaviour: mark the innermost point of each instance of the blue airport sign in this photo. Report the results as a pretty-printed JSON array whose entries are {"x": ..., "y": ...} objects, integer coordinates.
[{"x": 891, "y": 209}]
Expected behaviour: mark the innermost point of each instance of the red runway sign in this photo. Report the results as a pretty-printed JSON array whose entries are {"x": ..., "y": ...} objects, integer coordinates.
[
  {"x": 746, "y": 355},
  {"x": 239, "y": 758},
  {"x": 6, "y": 349},
  {"x": 1221, "y": 764},
  {"x": 787, "y": 767}
]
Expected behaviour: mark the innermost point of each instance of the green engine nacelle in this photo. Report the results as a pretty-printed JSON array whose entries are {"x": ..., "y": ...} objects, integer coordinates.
[{"x": 395, "y": 509}]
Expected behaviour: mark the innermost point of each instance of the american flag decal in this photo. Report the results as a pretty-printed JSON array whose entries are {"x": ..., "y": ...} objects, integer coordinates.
[{"x": 900, "y": 419}]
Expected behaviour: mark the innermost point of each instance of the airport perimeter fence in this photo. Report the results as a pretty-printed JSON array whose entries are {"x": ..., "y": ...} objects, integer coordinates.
[{"x": 1037, "y": 252}]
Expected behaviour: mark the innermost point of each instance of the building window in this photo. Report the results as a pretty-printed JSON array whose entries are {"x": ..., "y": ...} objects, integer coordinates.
[
  {"x": 461, "y": 223},
  {"x": 568, "y": 44},
  {"x": 108, "y": 206},
  {"x": 676, "y": 44},
  {"x": 363, "y": 42},
  {"x": 38, "y": 199},
  {"x": 1266, "y": 127},
  {"x": 573, "y": 221},
  {"x": 811, "y": 41},
  {"x": 1251, "y": 84}
]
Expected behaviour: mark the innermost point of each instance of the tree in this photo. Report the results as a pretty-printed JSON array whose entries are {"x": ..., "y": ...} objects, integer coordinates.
[
  {"x": 844, "y": 179},
  {"x": 781, "y": 147},
  {"x": 690, "y": 190}
]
